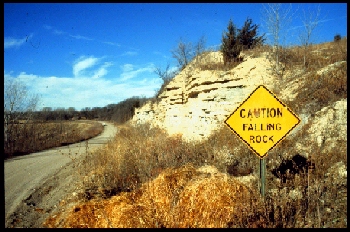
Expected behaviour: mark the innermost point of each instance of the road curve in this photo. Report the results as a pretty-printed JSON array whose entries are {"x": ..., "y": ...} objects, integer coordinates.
[{"x": 24, "y": 174}]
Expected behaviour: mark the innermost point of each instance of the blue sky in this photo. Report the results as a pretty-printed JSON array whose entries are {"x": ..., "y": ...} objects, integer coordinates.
[{"x": 92, "y": 55}]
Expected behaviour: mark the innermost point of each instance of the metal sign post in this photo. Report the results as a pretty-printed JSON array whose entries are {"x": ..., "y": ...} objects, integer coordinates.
[
  {"x": 262, "y": 121},
  {"x": 262, "y": 176}
]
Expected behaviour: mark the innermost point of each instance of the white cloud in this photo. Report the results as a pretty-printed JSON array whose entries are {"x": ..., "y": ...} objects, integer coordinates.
[
  {"x": 129, "y": 72},
  {"x": 83, "y": 63},
  {"x": 89, "y": 86},
  {"x": 47, "y": 27},
  {"x": 102, "y": 71},
  {"x": 58, "y": 32},
  {"x": 111, "y": 43},
  {"x": 161, "y": 55},
  {"x": 55, "y": 31},
  {"x": 127, "y": 67},
  {"x": 80, "y": 37},
  {"x": 129, "y": 54},
  {"x": 10, "y": 42},
  {"x": 83, "y": 92}
]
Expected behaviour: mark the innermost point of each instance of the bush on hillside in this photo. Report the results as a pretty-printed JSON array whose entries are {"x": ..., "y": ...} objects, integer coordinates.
[{"x": 235, "y": 40}]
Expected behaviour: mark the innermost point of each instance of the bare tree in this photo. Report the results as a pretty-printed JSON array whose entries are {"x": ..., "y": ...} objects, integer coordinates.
[
  {"x": 17, "y": 105},
  {"x": 183, "y": 53},
  {"x": 71, "y": 112},
  {"x": 310, "y": 22},
  {"x": 47, "y": 113},
  {"x": 165, "y": 75},
  {"x": 199, "y": 47},
  {"x": 277, "y": 19}
]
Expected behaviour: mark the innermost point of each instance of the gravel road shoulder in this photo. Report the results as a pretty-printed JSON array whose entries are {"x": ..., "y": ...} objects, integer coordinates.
[{"x": 42, "y": 202}]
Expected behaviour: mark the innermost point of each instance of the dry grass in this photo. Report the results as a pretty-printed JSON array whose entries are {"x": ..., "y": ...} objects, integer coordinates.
[
  {"x": 322, "y": 82},
  {"x": 38, "y": 136},
  {"x": 319, "y": 200},
  {"x": 125, "y": 189},
  {"x": 182, "y": 197},
  {"x": 139, "y": 154},
  {"x": 144, "y": 178}
]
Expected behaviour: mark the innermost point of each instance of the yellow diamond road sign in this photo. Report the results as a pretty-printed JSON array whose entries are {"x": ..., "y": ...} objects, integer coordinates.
[{"x": 262, "y": 121}]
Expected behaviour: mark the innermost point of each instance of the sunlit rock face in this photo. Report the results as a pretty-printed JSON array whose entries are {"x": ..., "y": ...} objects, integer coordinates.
[
  {"x": 198, "y": 100},
  {"x": 328, "y": 128}
]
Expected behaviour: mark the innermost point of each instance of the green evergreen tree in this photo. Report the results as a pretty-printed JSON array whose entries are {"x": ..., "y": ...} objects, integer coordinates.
[
  {"x": 248, "y": 35},
  {"x": 230, "y": 47},
  {"x": 235, "y": 40}
]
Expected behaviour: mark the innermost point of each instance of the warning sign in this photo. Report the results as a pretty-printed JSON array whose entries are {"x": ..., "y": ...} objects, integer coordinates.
[{"x": 262, "y": 121}]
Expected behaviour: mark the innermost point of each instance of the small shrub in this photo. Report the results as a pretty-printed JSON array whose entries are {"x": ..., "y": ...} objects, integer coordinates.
[{"x": 337, "y": 38}]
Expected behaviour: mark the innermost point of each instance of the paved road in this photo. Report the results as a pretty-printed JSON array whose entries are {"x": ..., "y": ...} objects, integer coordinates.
[{"x": 26, "y": 173}]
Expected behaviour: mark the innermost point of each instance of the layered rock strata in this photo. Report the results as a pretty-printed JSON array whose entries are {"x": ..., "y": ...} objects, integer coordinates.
[{"x": 196, "y": 102}]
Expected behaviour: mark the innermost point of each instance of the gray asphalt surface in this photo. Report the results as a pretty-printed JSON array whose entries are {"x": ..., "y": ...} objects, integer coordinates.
[{"x": 26, "y": 174}]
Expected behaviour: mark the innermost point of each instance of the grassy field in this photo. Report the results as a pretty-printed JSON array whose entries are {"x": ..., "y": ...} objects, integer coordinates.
[{"x": 37, "y": 136}]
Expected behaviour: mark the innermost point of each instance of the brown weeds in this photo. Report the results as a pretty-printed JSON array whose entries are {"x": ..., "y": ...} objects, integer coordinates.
[
  {"x": 38, "y": 136},
  {"x": 182, "y": 197}
]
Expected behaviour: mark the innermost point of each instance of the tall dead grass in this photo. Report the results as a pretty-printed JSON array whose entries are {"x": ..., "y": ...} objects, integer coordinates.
[
  {"x": 182, "y": 197},
  {"x": 146, "y": 179},
  {"x": 37, "y": 136}
]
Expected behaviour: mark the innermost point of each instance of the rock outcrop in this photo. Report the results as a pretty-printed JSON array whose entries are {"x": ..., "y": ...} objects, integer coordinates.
[
  {"x": 196, "y": 102},
  {"x": 328, "y": 128}
]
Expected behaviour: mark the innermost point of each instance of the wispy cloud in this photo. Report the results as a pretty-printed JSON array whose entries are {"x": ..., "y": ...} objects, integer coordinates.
[
  {"x": 315, "y": 23},
  {"x": 102, "y": 71},
  {"x": 130, "y": 53},
  {"x": 129, "y": 71},
  {"x": 127, "y": 67},
  {"x": 160, "y": 54},
  {"x": 80, "y": 37},
  {"x": 47, "y": 27},
  {"x": 83, "y": 63},
  {"x": 60, "y": 32},
  {"x": 111, "y": 43},
  {"x": 10, "y": 42},
  {"x": 54, "y": 31}
]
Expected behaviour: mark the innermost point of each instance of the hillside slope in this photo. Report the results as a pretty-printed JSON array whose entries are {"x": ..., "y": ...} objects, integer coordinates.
[{"x": 213, "y": 180}]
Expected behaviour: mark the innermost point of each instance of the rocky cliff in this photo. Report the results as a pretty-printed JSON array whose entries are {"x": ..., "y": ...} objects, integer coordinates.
[{"x": 196, "y": 102}]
